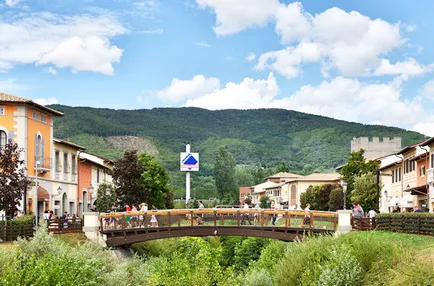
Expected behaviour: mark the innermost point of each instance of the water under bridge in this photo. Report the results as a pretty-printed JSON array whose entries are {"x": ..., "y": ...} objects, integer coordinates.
[{"x": 127, "y": 228}]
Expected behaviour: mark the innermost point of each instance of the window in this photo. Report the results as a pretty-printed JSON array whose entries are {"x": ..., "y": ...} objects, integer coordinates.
[
  {"x": 44, "y": 118},
  {"x": 73, "y": 164},
  {"x": 399, "y": 174},
  {"x": 65, "y": 162},
  {"x": 2, "y": 110},
  {"x": 57, "y": 160},
  {"x": 393, "y": 176},
  {"x": 35, "y": 115},
  {"x": 39, "y": 150},
  {"x": 3, "y": 139},
  {"x": 97, "y": 175},
  {"x": 432, "y": 160},
  {"x": 422, "y": 171}
]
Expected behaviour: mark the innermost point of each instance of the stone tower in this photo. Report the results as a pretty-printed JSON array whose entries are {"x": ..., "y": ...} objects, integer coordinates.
[{"x": 374, "y": 148}]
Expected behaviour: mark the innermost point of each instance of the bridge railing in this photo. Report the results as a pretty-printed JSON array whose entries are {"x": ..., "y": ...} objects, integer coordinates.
[{"x": 218, "y": 217}]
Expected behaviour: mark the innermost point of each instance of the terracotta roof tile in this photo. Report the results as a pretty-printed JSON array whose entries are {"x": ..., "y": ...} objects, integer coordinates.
[{"x": 5, "y": 97}]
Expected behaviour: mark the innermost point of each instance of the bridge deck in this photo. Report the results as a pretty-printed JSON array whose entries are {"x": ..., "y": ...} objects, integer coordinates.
[{"x": 128, "y": 228}]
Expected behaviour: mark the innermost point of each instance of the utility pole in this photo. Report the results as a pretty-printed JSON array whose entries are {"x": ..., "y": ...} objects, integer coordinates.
[{"x": 187, "y": 178}]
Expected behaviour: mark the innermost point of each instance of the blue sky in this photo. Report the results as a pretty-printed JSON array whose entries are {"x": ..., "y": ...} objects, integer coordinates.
[{"x": 363, "y": 61}]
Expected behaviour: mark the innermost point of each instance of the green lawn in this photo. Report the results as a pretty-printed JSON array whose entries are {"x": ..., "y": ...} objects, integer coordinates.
[{"x": 8, "y": 246}]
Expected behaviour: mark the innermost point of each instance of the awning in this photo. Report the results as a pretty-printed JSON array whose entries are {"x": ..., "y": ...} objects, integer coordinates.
[
  {"x": 406, "y": 202},
  {"x": 421, "y": 190},
  {"x": 393, "y": 202},
  {"x": 43, "y": 194}
]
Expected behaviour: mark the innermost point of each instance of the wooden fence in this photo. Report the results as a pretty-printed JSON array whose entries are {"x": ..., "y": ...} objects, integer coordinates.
[
  {"x": 420, "y": 224},
  {"x": 60, "y": 225},
  {"x": 10, "y": 230}
]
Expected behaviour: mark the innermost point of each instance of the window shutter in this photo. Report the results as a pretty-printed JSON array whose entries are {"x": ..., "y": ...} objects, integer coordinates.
[
  {"x": 36, "y": 149},
  {"x": 42, "y": 152},
  {"x": 11, "y": 136}
]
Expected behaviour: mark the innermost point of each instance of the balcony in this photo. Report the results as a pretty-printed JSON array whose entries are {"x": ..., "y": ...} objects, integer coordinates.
[{"x": 44, "y": 164}]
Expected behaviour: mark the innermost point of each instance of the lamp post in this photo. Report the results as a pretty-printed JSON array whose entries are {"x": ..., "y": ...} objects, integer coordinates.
[
  {"x": 37, "y": 163},
  {"x": 386, "y": 201},
  {"x": 344, "y": 190},
  {"x": 107, "y": 192},
  {"x": 90, "y": 189}
]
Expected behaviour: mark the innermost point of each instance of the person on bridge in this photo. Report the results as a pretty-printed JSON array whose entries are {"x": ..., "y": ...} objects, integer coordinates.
[
  {"x": 200, "y": 215},
  {"x": 246, "y": 215},
  {"x": 306, "y": 219},
  {"x": 143, "y": 209},
  {"x": 154, "y": 221},
  {"x": 273, "y": 216},
  {"x": 257, "y": 215}
]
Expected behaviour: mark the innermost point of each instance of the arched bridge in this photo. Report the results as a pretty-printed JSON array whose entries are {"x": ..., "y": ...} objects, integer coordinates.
[{"x": 128, "y": 228}]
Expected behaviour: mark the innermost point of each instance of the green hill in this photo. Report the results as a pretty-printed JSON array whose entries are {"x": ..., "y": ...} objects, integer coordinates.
[{"x": 260, "y": 137}]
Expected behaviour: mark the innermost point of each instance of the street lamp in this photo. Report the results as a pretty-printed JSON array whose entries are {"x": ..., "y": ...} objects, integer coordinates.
[
  {"x": 107, "y": 192},
  {"x": 90, "y": 189},
  {"x": 344, "y": 190},
  {"x": 37, "y": 163},
  {"x": 59, "y": 190}
]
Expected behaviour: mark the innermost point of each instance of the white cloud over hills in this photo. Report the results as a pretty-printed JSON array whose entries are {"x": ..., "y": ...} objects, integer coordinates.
[{"x": 81, "y": 43}]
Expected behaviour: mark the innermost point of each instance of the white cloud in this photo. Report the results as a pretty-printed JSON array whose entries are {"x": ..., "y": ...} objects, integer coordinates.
[
  {"x": 287, "y": 62},
  {"x": 139, "y": 99},
  {"x": 351, "y": 100},
  {"x": 337, "y": 36},
  {"x": 77, "y": 42},
  {"x": 52, "y": 70},
  {"x": 8, "y": 84},
  {"x": 340, "y": 98},
  {"x": 245, "y": 95},
  {"x": 292, "y": 23},
  {"x": 251, "y": 57},
  {"x": 236, "y": 15},
  {"x": 428, "y": 90},
  {"x": 181, "y": 89},
  {"x": 409, "y": 67},
  {"x": 43, "y": 101},
  {"x": 152, "y": 32},
  {"x": 12, "y": 3},
  {"x": 426, "y": 127},
  {"x": 203, "y": 44}
]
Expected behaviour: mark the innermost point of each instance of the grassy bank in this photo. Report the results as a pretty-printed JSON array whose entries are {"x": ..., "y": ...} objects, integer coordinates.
[{"x": 361, "y": 258}]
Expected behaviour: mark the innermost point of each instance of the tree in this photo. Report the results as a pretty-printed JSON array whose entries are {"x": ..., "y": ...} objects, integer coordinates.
[
  {"x": 336, "y": 201},
  {"x": 356, "y": 166},
  {"x": 140, "y": 179},
  {"x": 154, "y": 181},
  {"x": 127, "y": 179},
  {"x": 224, "y": 175},
  {"x": 317, "y": 196},
  {"x": 365, "y": 191},
  {"x": 105, "y": 202},
  {"x": 265, "y": 202},
  {"x": 307, "y": 198},
  {"x": 169, "y": 200},
  {"x": 13, "y": 180},
  {"x": 282, "y": 168}
]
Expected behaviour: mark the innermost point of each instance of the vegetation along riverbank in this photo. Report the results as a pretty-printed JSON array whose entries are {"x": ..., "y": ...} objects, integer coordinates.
[{"x": 362, "y": 258}]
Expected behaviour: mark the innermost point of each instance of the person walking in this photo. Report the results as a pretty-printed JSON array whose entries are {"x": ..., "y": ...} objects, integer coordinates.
[
  {"x": 246, "y": 215},
  {"x": 306, "y": 219},
  {"x": 144, "y": 210},
  {"x": 154, "y": 220},
  {"x": 273, "y": 216}
]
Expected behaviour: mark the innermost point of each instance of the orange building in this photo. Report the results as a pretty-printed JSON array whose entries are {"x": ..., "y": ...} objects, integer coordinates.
[{"x": 30, "y": 125}]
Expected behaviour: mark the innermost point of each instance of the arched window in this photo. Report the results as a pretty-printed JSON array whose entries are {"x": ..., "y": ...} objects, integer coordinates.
[
  {"x": 39, "y": 150},
  {"x": 3, "y": 139}
]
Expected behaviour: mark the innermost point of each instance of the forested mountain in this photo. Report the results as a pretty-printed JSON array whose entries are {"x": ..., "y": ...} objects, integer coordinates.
[{"x": 260, "y": 137}]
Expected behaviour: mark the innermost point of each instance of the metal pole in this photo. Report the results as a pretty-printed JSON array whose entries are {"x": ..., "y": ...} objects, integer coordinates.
[
  {"x": 36, "y": 195},
  {"x": 378, "y": 189},
  {"x": 187, "y": 178},
  {"x": 345, "y": 203}
]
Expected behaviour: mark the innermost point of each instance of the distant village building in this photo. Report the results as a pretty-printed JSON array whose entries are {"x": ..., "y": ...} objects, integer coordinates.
[
  {"x": 284, "y": 189},
  {"x": 374, "y": 148}
]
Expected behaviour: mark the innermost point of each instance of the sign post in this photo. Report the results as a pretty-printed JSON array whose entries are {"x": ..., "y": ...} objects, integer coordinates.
[{"x": 189, "y": 163}]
